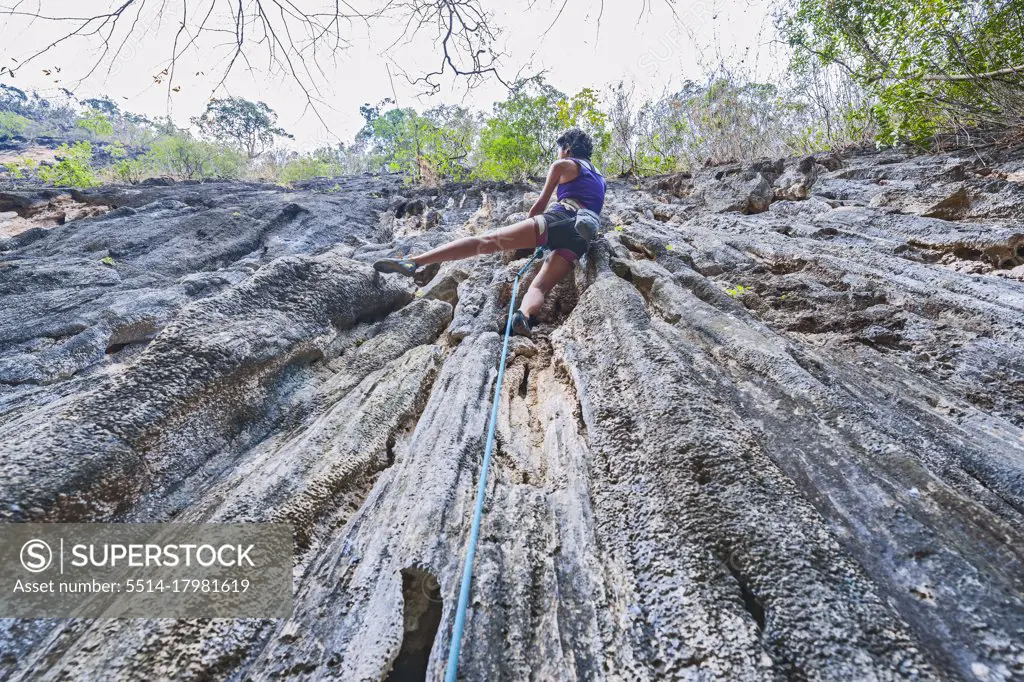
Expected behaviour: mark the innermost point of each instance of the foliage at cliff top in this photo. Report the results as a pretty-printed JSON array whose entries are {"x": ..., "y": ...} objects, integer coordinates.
[{"x": 933, "y": 66}]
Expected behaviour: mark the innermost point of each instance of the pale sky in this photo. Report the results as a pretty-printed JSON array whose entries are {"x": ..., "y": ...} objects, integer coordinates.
[{"x": 654, "y": 49}]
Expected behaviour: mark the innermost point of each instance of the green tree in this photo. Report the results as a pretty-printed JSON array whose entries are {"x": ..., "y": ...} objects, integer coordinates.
[
  {"x": 518, "y": 139},
  {"x": 582, "y": 111},
  {"x": 429, "y": 147},
  {"x": 660, "y": 146},
  {"x": 248, "y": 126},
  {"x": 933, "y": 65},
  {"x": 392, "y": 138},
  {"x": 447, "y": 145}
]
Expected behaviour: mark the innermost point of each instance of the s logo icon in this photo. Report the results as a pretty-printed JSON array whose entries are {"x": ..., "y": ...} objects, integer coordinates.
[{"x": 36, "y": 556}]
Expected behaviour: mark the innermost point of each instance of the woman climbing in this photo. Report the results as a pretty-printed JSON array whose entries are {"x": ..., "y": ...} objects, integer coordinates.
[{"x": 579, "y": 188}]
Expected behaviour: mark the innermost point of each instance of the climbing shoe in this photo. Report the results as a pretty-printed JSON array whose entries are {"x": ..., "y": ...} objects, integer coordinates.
[
  {"x": 403, "y": 266},
  {"x": 522, "y": 325}
]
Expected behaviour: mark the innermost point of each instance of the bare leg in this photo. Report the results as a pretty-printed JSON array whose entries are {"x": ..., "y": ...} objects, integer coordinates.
[
  {"x": 551, "y": 273},
  {"x": 521, "y": 235}
]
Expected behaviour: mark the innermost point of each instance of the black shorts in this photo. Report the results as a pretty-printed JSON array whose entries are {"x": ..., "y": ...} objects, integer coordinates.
[{"x": 556, "y": 230}]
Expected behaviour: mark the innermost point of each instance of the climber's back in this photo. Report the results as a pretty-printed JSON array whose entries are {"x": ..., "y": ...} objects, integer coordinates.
[{"x": 588, "y": 188}]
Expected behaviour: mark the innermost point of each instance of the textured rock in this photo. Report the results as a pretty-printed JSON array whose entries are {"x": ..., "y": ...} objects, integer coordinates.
[
  {"x": 795, "y": 183},
  {"x": 21, "y": 211},
  {"x": 746, "y": 191},
  {"x": 743, "y": 445}
]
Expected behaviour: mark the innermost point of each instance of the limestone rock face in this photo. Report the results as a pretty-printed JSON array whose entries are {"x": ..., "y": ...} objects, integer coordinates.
[
  {"x": 758, "y": 434},
  {"x": 796, "y": 182},
  {"x": 729, "y": 190}
]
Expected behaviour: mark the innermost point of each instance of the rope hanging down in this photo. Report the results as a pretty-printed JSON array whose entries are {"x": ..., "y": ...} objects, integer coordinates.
[{"x": 481, "y": 489}]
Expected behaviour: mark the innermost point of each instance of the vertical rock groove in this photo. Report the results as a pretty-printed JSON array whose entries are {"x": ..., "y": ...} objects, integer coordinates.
[{"x": 422, "y": 606}]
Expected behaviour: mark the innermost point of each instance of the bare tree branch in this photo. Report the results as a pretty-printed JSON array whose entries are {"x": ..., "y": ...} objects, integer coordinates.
[
  {"x": 1008, "y": 71},
  {"x": 291, "y": 35},
  {"x": 466, "y": 37}
]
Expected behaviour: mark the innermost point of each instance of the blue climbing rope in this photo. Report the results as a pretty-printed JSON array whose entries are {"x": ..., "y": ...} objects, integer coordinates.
[{"x": 481, "y": 489}]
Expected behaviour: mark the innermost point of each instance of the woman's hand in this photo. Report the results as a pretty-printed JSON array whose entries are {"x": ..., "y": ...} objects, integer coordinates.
[{"x": 563, "y": 170}]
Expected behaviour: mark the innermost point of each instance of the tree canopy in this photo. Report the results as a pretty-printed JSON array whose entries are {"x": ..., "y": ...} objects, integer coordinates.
[
  {"x": 249, "y": 126},
  {"x": 933, "y": 65}
]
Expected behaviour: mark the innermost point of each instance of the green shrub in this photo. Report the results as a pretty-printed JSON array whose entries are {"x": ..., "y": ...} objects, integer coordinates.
[
  {"x": 96, "y": 123},
  {"x": 227, "y": 163},
  {"x": 20, "y": 168},
  {"x": 307, "y": 167},
  {"x": 738, "y": 290},
  {"x": 191, "y": 159},
  {"x": 133, "y": 171},
  {"x": 12, "y": 124},
  {"x": 727, "y": 118},
  {"x": 74, "y": 168}
]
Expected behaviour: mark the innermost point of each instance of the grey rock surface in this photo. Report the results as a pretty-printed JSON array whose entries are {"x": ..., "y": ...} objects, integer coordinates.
[
  {"x": 772, "y": 428},
  {"x": 735, "y": 189}
]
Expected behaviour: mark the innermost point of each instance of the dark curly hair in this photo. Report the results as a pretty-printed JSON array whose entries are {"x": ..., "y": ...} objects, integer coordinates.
[{"x": 578, "y": 142}]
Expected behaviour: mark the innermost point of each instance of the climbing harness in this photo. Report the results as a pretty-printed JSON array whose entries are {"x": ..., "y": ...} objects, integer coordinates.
[{"x": 481, "y": 489}]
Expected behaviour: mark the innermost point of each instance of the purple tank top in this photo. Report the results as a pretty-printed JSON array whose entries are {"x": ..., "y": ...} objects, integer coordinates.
[{"x": 588, "y": 188}]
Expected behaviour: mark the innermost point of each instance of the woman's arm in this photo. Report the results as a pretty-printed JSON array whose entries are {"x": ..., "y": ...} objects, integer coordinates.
[{"x": 556, "y": 175}]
